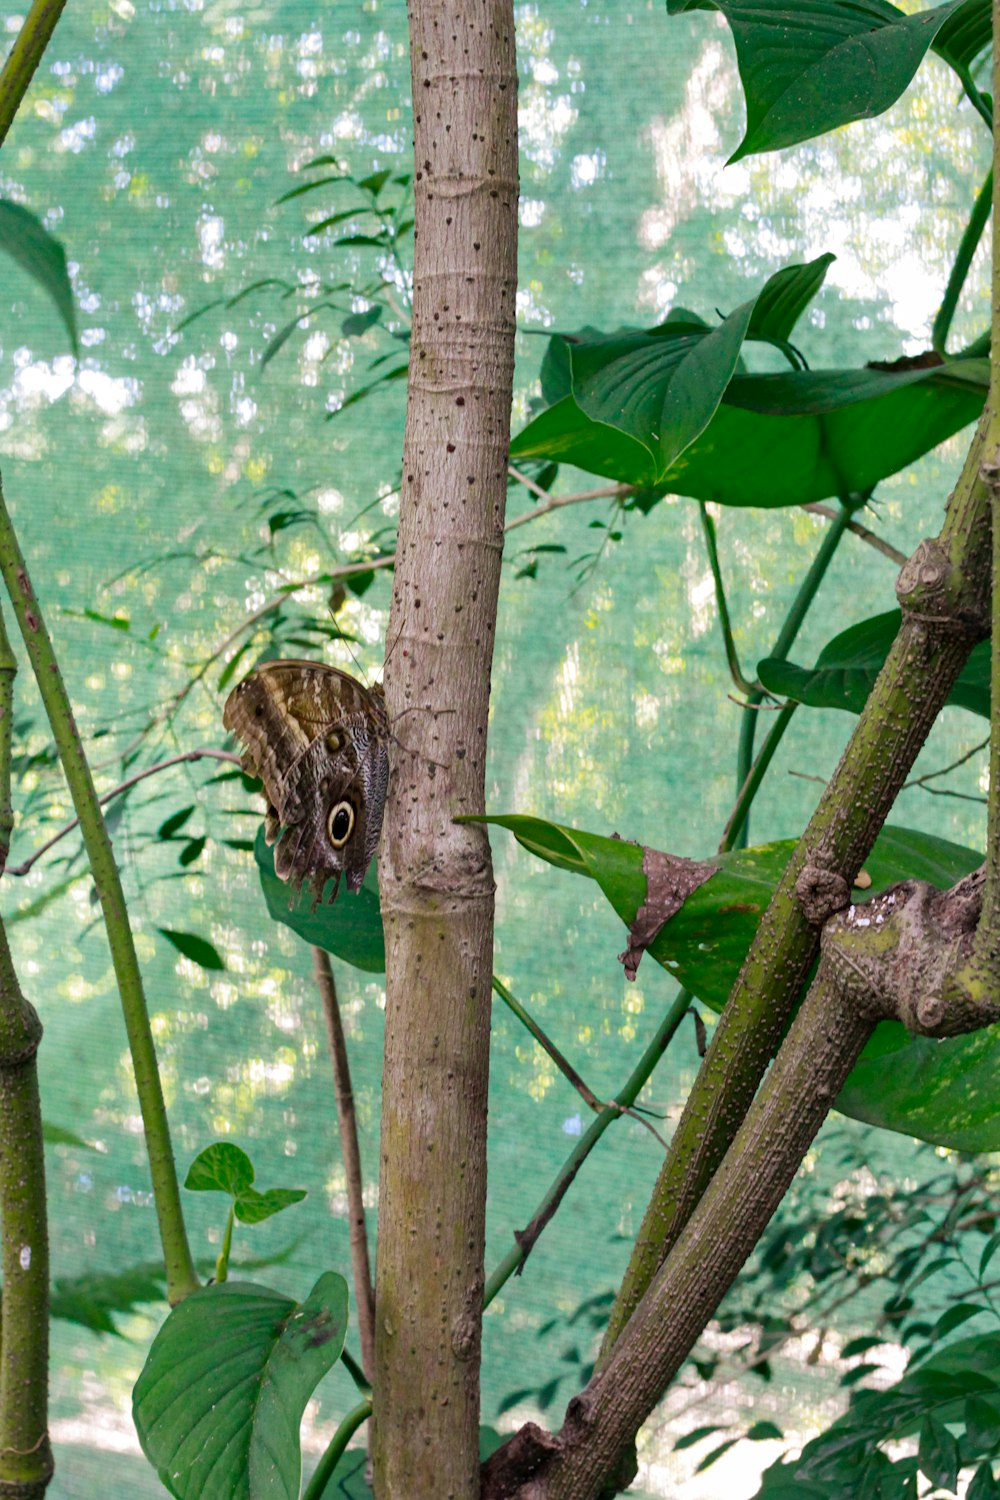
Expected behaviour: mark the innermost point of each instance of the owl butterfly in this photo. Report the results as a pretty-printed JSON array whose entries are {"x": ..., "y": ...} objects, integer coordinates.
[{"x": 319, "y": 742}]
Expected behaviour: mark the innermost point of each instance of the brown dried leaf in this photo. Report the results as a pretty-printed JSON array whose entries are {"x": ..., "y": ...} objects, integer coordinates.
[{"x": 670, "y": 880}]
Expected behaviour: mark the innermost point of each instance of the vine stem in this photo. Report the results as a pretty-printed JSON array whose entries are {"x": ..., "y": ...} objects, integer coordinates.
[
  {"x": 180, "y": 1272},
  {"x": 323, "y": 1472},
  {"x": 116, "y": 791},
  {"x": 622, "y": 1102},
  {"x": 24, "y": 57},
  {"x": 731, "y": 834},
  {"x": 364, "y": 1291},
  {"x": 967, "y": 247},
  {"x": 786, "y": 637}
]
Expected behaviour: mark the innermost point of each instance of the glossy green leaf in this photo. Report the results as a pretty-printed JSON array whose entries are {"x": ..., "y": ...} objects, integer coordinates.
[
  {"x": 26, "y": 240},
  {"x": 809, "y": 66},
  {"x": 658, "y": 389},
  {"x": 778, "y": 440},
  {"x": 221, "y": 1396},
  {"x": 847, "y": 667},
  {"x": 946, "y": 1092},
  {"x": 967, "y": 33},
  {"x": 785, "y": 298},
  {"x": 350, "y": 928},
  {"x": 199, "y": 950},
  {"x": 220, "y": 1168}
]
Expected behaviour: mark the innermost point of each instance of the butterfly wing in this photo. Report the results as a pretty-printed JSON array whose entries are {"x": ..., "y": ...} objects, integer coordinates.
[{"x": 318, "y": 740}]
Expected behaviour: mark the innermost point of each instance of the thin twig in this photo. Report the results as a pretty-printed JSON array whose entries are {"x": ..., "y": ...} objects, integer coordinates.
[
  {"x": 732, "y": 657},
  {"x": 816, "y": 508},
  {"x": 757, "y": 708},
  {"x": 933, "y": 775},
  {"x": 565, "y": 1067},
  {"x": 364, "y": 1292},
  {"x": 116, "y": 791}
]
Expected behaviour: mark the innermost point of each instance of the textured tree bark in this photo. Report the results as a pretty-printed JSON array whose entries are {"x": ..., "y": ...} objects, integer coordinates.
[{"x": 436, "y": 876}]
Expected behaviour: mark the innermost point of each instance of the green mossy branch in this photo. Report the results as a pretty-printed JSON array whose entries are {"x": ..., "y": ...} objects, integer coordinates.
[
  {"x": 181, "y": 1275},
  {"x": 943, "y": 592},
  {"x": 25, "y": 1454}
]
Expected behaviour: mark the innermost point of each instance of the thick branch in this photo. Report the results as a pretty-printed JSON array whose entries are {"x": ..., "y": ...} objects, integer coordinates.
[
  {"x": 435, "y": 876},
  {"x": 943, "y": 593},
  {"x": 25, "y": 1455},
  {"x": 821, "y": 1048}
]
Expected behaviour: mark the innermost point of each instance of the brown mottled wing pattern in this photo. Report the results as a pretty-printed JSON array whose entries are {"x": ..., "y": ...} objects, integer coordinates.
[{"x": 318, "y": 740}]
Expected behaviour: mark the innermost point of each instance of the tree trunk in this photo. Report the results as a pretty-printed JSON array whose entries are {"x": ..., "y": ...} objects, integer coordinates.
[{"x": 436, "y": 876}]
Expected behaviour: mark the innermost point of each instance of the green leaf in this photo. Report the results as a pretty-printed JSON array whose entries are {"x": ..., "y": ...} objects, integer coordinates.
[
  {"x": 982, "y": 1485},
  {"x": 26, "y": 240},
  {"x": 198, "y": 950},
  {"x": 982, "y": 1425},
  {"x": 784, "y": 439},
  {"x": 376, "y": 182},
  {"x": 220, "y": 1168},
  {"x": 309, "y": 187},
  {"x": 696, "y": 1435},
  {"x": 350, "y": 928},
  {"x": 224, "y": 1387},
  {"x": 253, "y": 1207},
  {"x": 56, "y": 1135},
  {"x": 938, "y": 1454},
  {"x": 785, "y": 298},
  {"x": 763, "y": 1431},
  {"x": 715, "y": 1455},
  {"x": 660, "y": 389},
  {"x": 946, "y": 1092},
  {"x": 925, "y": 1400},
  {"x": 989, "y": 1250},
  {"x": 357, "y": 324},
  {"x": 954, "y": 1318},
  {"x": 847, "y": 667},
  {"x": 967, "y": 33},
  {"x": 809, "y": 66}
]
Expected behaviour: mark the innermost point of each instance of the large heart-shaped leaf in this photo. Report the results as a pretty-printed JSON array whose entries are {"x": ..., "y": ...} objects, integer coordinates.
[
  {"x": 221, "y": 1396},
  {"x": 26, "y": 240},
  {"x": 776, "y": 439},
  {"x": 808, "y": 66},
  {"x": 945, "y": 1092},
  {"x": 350, "y": 928},
  {"x": 847, "y": 667}
]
